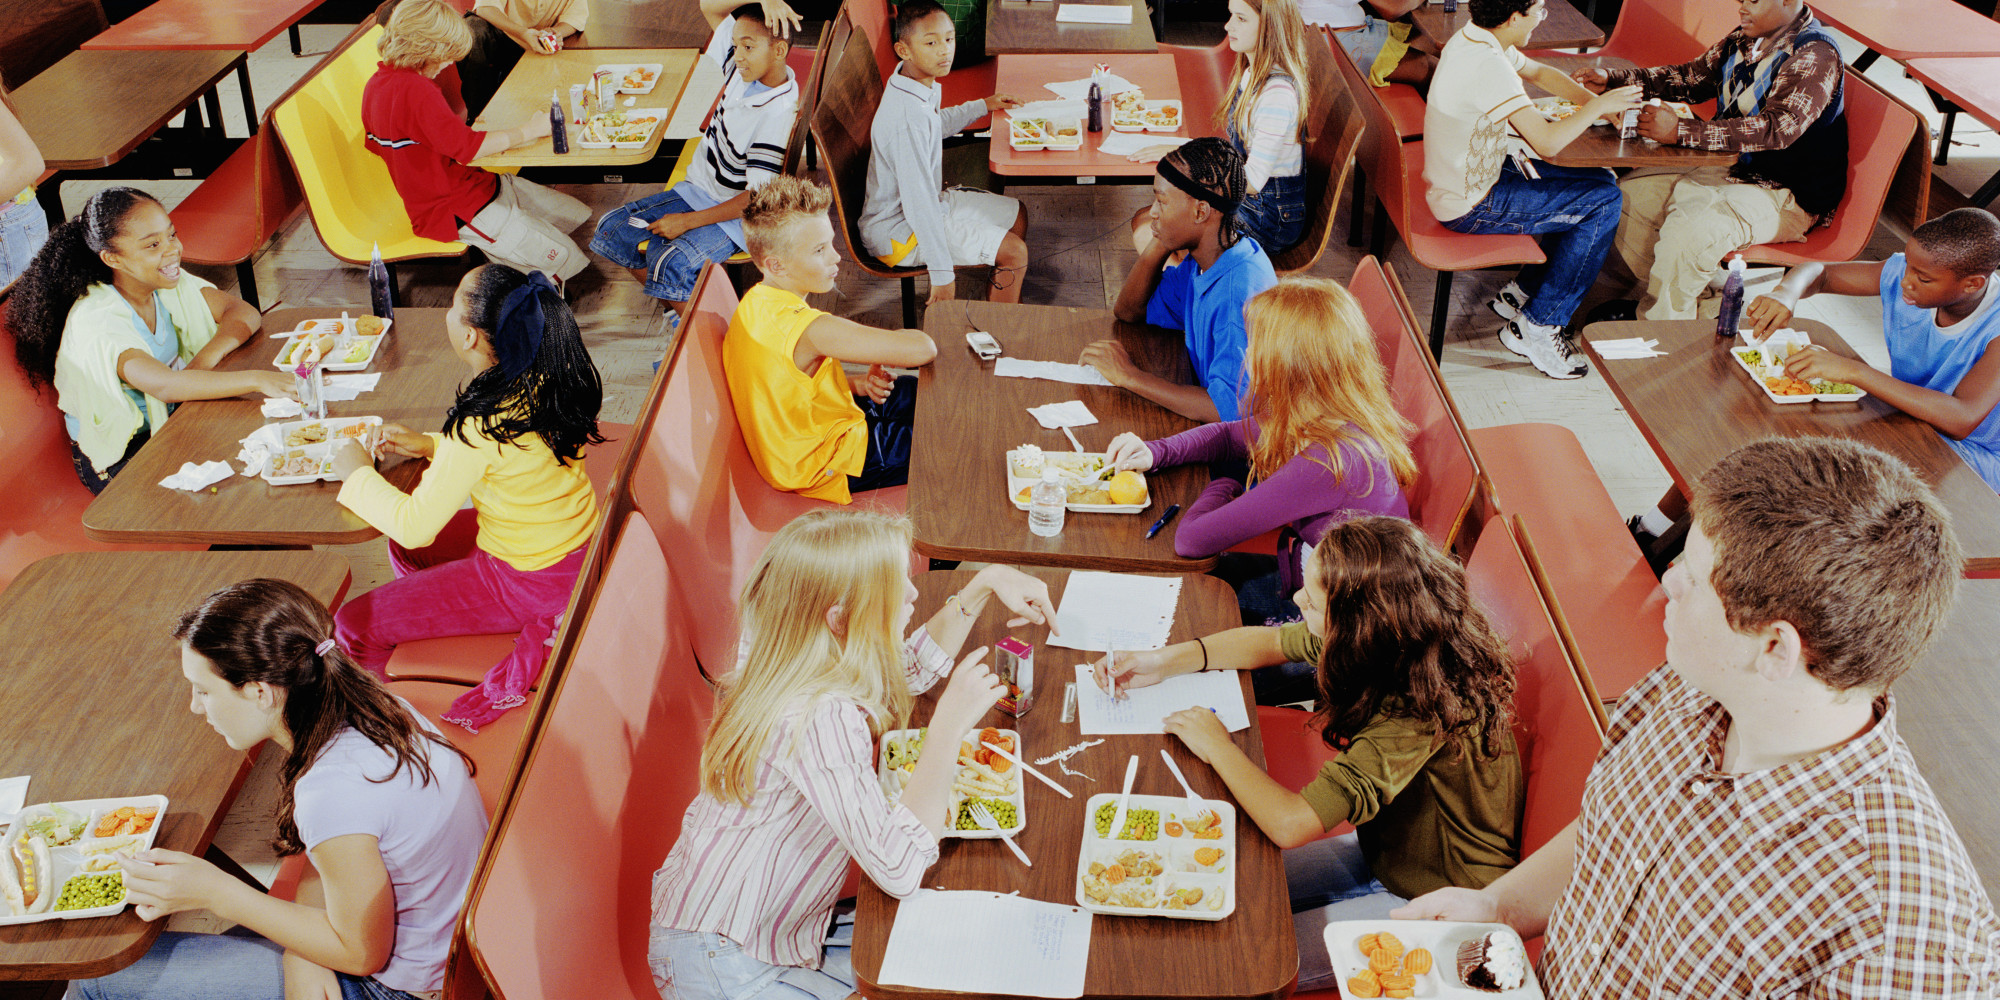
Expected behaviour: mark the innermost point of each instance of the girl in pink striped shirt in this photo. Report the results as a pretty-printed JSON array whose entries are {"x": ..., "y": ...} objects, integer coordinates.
[{"x": 742, "y": 905}]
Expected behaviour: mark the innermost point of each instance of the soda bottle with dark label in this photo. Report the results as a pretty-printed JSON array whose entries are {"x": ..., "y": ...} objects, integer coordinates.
[
  {"x": 1095, "y": 105},
  {"x": 1732, "y": 300},
  {"x": 558, "y": 124},
  {"x": 381, "y": 294}
]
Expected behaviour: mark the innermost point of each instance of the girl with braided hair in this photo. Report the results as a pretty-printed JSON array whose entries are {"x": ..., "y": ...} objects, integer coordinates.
[
  {"x": 381, "y": 805},
  {"x": 106, "y": 315},
  {"x": 513, "y": 443},
  {"x": 1196, "y": 191}
]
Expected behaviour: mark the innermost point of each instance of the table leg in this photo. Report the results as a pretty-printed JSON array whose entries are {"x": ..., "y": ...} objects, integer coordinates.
[
  {"x": 212, "y": 102},
  {"x": 216, "y": 857},
  {"x": 1951, "y": 110},
  {"x": 249, "y": 99},
  {"x": 294, "y": 30},
  {"x": 1987, "y": 191}
]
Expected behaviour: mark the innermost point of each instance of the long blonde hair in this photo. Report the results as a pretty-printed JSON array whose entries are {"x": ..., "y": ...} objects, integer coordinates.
[
  {"x": 858, "y": 560},
  {"x": 1315, "y": 378},
  {"x": 1281, "y": 48}
]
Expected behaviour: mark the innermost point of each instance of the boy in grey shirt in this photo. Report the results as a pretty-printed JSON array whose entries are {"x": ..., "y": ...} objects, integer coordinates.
[{"x": 909, "y": 219}]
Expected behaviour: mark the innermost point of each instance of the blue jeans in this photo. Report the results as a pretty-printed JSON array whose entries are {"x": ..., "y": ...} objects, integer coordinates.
[
  {"x": 1276, "y": 214},
  {"x": 696, "y": 965},
  {"x": 1330, "y": 881},
  {"x": 23, "y": 230},
  {"x": 891, "y": 425},
  {"x": 671, "y": 265},
  {"x": 234, "y": 966},
  {"x": 1575, "y": 208}
]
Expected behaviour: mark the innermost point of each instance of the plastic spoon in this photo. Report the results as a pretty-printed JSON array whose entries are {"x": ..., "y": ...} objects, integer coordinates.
[{"x": 1125, "y": 796}]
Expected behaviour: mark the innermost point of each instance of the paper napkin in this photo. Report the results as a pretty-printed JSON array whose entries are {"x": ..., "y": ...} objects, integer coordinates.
[
  {"x": 1070, "y": 414},
  {"x": 1091, "y": 13},
  {"x": 1626, "y": 350},
  {"x": 195, "y": 477},
  {"x": 280, "y": 408},
  {"x": 1127, "y": 143},
  {"x": 1079, "y": 90}
]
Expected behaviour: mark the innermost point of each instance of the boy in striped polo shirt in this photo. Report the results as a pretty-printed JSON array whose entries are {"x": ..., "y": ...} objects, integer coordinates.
[{"x": 666, "y": 238}]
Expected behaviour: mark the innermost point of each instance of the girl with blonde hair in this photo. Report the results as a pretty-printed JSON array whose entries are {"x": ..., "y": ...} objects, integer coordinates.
[
  {"x": 743, "y": 903},
  {"x": 1321, "y": 440}
]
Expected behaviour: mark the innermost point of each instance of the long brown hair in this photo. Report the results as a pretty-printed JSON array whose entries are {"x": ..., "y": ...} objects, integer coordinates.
[
  {"x": 1404, "y": 636},
  {"x": 1315, "y": 379},
  {"x": 267, "y": 630},
  {"x": 1281, "y": 49}
]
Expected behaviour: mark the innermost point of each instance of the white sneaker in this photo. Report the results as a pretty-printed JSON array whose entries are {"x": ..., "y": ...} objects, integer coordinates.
[
  {"x": 1544, "y": 346},
  {"x": 1510, "y": 302}
]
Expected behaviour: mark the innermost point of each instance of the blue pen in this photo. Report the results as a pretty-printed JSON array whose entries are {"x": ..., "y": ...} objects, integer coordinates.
[{"x": 1172, "y": 509}]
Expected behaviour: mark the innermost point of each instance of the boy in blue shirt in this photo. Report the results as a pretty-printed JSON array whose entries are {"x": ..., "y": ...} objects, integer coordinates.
[
  {"x": 1938, "y": 315},
  {"x": 1195, "y": 194}
]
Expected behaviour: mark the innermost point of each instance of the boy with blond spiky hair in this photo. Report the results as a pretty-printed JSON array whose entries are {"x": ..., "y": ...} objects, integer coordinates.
[{"x": 812, "y": 428}]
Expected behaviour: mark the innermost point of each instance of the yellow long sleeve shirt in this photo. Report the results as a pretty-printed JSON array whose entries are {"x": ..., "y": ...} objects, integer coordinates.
[{"x": 533, "y": 510}]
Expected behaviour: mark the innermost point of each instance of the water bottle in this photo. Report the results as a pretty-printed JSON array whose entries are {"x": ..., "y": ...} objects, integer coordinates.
[
  {"x": 1046, "y": 504},
  {"x": 381, "y": 294},
  {"x": 1732, "y": 300},
  {"x": 558, "y": 124},
  {"x": 1095, "y": 104}
]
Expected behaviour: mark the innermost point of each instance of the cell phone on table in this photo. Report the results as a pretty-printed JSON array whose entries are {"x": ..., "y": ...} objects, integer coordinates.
[{"x": 983, "y": 345}]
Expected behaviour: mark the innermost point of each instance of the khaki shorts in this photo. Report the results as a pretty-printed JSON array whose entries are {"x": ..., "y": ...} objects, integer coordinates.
[{"x": 526, "y": 226}]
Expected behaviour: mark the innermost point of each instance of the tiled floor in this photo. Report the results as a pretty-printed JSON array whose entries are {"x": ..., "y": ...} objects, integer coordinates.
[{"x": 1078, "y": 237}]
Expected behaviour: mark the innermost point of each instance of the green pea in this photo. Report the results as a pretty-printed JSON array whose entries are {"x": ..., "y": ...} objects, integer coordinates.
[
  {"x": 88, "y": 892},
  {"x": 1002, "y": 810},
  {"x": 1140, "y": 824}
]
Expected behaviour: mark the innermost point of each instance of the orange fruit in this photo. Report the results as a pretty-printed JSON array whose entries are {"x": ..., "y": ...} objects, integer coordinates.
[
  {"x": 1418, "y": 961},
  {"x": 1128, "y": 487}
]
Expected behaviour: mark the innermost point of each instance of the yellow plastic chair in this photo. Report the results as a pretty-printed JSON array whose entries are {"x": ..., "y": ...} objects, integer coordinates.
[{"x": 353, "y": 203}]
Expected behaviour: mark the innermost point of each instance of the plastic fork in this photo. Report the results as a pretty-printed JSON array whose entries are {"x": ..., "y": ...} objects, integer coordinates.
[{"x": 984, "y": 817}]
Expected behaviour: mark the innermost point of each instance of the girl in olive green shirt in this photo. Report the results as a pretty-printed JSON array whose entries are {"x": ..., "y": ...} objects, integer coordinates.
[{"x": 1415, "y": 692}]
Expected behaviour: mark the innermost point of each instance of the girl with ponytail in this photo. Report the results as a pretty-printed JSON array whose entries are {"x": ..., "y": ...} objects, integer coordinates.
[
  {"x": 513, "y": 443},
  {"x": 381, "y": 805},
  {"x": 106, "y": 315}
]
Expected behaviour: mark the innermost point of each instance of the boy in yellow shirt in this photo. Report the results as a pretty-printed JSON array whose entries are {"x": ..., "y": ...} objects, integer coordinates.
[{"x": 811, "y": 427}]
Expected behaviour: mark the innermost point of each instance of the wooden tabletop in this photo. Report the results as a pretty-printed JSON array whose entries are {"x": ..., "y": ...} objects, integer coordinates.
[
  {"x": 526, "y": 93},
  {"x": 1945, "y": 708},
  {"x": 1024, "y": 76},
  {"x": 420, "y": 377},
  {"x": 94, "y": 107},
  {"x": 1029, "y": 26},
  {"x": 968, "y": 418},
  {"x": 1696, "y": 405},
  {"x": 1600, "y": 146},
  {"x": 1564, "y": 28},
  {"x": 1913, "y": 29},
  {"x": 97, "y": 707},
  {"x": 643, "y": 24},
  {"x": 1972, "y": 83},
  {"x": 1249, "y": 954},
  {"x": 204, "y": 24}
]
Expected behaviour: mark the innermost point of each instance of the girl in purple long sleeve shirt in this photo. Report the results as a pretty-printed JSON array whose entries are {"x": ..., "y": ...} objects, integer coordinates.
[{"x": 1322, "y": 440}]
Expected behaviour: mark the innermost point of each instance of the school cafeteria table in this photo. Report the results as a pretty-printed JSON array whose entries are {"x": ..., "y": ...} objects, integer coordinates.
[
  {"x": 1696, "y": 405},
  {"x": 203, "y": 24},
  {"x": 1565, "y": 27},
  {"x": 1600, "y": 146},
  {"x": 1249, "y": 954},
  {"x": 1911, "y": 29},
  {"x": 1972, "y": 85},
  {"x": 1945, "y": 707},
  {"x": 97, "y": 707},
  {"x": 1030, "y": 26},
  {"x": 420, "y": 377},
  {"x": 526, "y": 93},
  {"x": 94, "y": 107},
  {"x": 1024, "y": 76},
  {"x": 643, "y": 24},
  {"x": 968, "y": 418}
]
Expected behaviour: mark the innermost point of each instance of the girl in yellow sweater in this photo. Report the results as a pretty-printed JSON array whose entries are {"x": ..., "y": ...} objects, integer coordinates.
[{"x": 513, "y": 443}]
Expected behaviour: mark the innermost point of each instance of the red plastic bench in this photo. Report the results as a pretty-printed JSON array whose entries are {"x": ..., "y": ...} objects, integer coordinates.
[{"x": 238, "y": 208}]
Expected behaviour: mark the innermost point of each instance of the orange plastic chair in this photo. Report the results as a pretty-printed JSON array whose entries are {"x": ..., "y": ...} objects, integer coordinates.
[
  {"x": 1406, "y": 106},
  {"x": 1396, "y": 169},
  {"x": 464, "y": 659},
  {"x": 1879, "y": 129},
  {"x": 353, "y": 202},
  {"x": 694, "y": 479},
  {"x": 43, "y": 514},
  {"x": 1661, "y": 32},
  {"x": 1597, "y": 575},
  {"x": 561, "y": 904}
]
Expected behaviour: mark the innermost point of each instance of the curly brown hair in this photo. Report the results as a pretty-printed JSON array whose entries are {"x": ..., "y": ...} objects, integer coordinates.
[{"x": 1404, "y": 636}]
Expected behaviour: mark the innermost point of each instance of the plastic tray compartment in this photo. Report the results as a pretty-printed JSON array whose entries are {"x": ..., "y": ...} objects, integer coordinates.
[
  {"x": 1170, "y": 875},
  {"x": 66, "y": 862},
  {"x": 1441, "y": 938},
  {"x": 632, "y": 115},
  {"x": 619, "y": 71},
  {"x": 1147, "y": 123},
  {"x": 1736, "y": 353},
  {"x": 1058, "y": 134},
  {"x": 1017, "y": 483},
  {"x": 893, "y": 787},
  {"x": 320, "y": 451},
  {"x": 345, "y": 339}
]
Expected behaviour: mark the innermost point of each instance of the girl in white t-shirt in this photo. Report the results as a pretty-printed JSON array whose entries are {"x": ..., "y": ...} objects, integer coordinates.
[{"x": 383, "y": 807}]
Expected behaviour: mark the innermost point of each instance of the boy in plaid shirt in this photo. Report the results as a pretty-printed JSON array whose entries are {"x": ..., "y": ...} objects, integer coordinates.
[{"x": 1754, "y": 825}]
